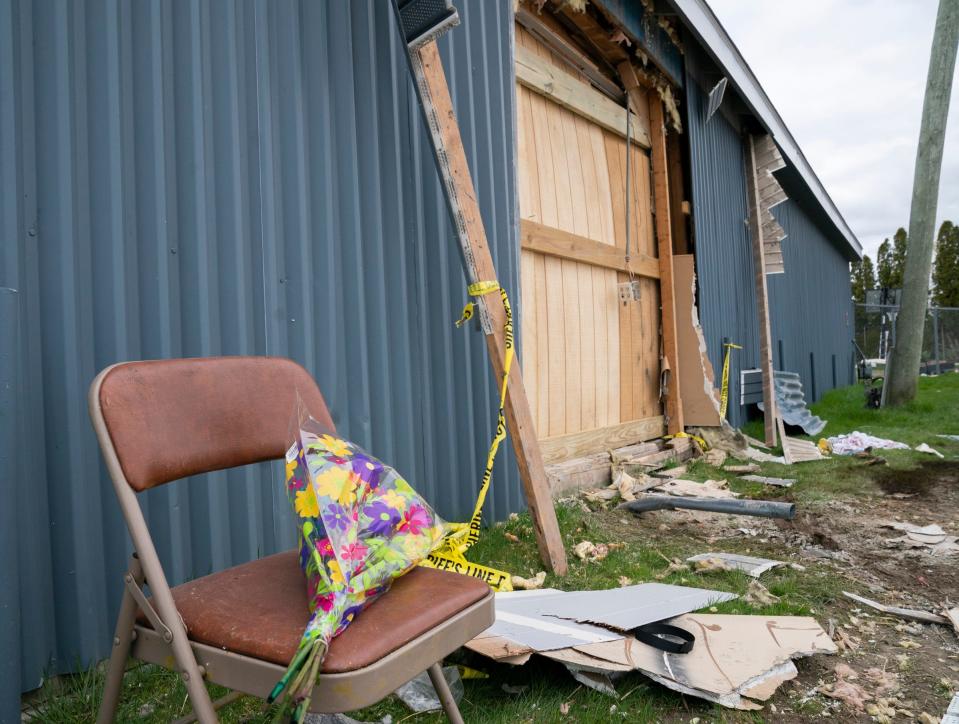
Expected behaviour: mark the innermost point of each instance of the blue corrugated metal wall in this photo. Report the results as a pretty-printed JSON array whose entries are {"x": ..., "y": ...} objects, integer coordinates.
[
  {"x": 724, "y": 262},
  {"x": 810, "y": 304},
  {"x": 813, "y": 337},
  {"x": 226, "y": 177}
]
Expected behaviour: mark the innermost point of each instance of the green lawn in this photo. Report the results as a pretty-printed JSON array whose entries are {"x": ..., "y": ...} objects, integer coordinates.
[{"x": 155, "y": 695}]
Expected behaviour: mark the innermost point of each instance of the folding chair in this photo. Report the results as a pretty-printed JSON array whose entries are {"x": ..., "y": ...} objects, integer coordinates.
[{"x": 164, "y": 420}]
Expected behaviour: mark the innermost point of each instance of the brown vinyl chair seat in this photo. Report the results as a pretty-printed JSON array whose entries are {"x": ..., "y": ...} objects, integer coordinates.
[{"x": 259, "y": 609}]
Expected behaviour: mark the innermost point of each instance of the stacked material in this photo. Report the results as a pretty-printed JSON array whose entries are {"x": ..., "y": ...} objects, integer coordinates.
[{"x": 736, "y": 661}]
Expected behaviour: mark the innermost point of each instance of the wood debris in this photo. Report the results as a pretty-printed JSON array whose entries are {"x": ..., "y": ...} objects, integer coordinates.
[
  {"x": 765, "y": 480},
  {"x": 748, "y": 468},
  {"x": 529, "y": 584},
  {"x": 758, "y": 595},
  {"x": 909, "y": 614}
]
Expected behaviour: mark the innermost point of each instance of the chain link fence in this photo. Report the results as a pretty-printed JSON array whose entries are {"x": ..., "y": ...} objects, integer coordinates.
[{"x": 875, "y": 334}]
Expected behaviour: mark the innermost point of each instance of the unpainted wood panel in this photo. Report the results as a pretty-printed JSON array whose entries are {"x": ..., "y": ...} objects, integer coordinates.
[{"x": 592, "y": 362}]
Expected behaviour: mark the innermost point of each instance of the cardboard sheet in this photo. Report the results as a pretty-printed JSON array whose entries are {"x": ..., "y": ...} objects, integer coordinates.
[{"x": 737, "y": 661}]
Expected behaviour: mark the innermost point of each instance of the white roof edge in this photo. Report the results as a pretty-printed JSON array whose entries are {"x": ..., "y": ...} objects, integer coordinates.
[{"x": 704, "y": 24}]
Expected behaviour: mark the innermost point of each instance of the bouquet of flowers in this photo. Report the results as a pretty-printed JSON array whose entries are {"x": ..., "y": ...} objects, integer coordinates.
[{"x": 360, "y": 526}]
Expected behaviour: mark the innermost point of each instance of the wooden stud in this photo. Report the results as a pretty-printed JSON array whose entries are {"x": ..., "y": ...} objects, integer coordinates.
[
  {"x": 564, "y": 447},
  {"x": 562, "y": 88},
  {"x": 681, "y": 243},
  {"x": 664, "y": 241},
  {"x": 762, "y": 297},
  {"x": 437, "y": 105},
  {"x": 556, "y": 242}
]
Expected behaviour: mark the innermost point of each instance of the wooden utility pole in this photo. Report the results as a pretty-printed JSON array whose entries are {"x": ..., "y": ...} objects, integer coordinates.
[
  {"x": 903, "y": 370},
  {"x": 434, "y": 96},
  {"x": 664, "y": 238}
]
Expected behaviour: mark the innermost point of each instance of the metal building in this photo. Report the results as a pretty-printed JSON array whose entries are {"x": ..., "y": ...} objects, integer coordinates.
[
  {"x": 810, "y": 303},
  {"x": 253, "y": 177},
  {"x": 181, "y": 179}
]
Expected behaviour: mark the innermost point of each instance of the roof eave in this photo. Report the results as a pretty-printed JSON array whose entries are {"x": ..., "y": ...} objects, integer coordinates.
[{"x": 705, "y": 26}]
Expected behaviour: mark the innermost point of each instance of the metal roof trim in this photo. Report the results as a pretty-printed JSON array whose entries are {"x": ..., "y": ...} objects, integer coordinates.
[{"x": 705, "y": 26}]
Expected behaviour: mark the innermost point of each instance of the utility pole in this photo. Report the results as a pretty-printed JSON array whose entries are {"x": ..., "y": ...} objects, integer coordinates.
[{"x": 903, "y": 373}]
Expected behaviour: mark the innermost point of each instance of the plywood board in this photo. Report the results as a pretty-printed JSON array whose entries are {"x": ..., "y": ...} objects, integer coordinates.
[
  {"x": 591, "y": 363},
  {"x": 565, "y": 447},
  {"x": 696, "y": 377}
]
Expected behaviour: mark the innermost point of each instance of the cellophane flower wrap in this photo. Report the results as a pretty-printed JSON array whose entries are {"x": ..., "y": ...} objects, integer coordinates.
[{"x": 361, "y": 525}]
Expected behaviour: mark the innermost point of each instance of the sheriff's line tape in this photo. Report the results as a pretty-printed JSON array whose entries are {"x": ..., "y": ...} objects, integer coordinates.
[
  {"x": 450, "y": 553},
  {"x": 724, "y": 392}
]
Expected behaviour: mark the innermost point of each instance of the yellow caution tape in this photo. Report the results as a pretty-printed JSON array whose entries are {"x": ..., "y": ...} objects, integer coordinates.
[
  {"x": 724, "y": 393},
  {"x": 702, "y": 443},
  {"x": 450, "y": 554}
]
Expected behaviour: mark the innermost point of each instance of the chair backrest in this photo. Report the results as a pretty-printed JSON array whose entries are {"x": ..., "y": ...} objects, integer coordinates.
[{"x": 168, "y": 419}]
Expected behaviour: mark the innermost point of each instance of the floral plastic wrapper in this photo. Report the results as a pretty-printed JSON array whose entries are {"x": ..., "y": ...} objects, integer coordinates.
[{"x": 361, "y": 525}]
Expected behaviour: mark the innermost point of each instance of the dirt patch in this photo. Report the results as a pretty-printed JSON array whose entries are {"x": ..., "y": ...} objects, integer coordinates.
[
  {"x": 921, "y": 481},
  {"x": 845, "y": 539}
]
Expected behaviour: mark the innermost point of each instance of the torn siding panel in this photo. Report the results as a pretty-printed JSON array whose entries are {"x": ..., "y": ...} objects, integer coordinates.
[
  {"x": 724, "y": 259},
  {"x": 810, "y": 304},
  {"x": 696, "y": 377}
]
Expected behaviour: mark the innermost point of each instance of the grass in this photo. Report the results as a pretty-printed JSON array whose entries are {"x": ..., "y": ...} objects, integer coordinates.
[{"x": 153, "y": 694}]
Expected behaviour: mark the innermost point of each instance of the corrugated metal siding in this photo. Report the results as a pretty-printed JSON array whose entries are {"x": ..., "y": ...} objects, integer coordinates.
[
  {"x": 182, "y": 179},
  {"x": 810, "y": 304},
  {"x": 814, "y": 336},
  {"x": 724, "y": 262}
]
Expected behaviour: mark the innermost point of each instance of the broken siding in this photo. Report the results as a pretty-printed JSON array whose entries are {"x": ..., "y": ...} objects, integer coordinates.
[
  {"x": 229, "y": 178},
  {"x": 724, "y": 258},
  {"x": 810, "y": 304}
]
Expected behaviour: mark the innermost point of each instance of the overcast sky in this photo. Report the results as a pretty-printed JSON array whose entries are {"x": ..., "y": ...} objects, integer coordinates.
[{"x": 848, "y": 77}]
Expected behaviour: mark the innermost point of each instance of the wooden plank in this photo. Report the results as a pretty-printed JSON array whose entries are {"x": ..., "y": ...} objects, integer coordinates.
[
  {"x": 571, "y": 347},
  {"x": 531, "y": 328},
  {"x": 674, "y": 409},
  {"x": 541, "y": 76},
  {"x": 603, "y": 351},
  {"x": 611, "y": 304},
  {"x": 556, "y": 242},
  {"x": 434, "y": 95},
  {"x": 587, "y": 346},
  {"x": 681, "y": 243},
  {"x": 627, "y": 363},
  {"x": 557, "y": 42},
  {"x": 542, "y": 344},
  {"x": 601, "y": 162},
  {"x": 556, "y": 362},
  {"x": 762, "y": 297},
  {"x": 578, "y": 444}
]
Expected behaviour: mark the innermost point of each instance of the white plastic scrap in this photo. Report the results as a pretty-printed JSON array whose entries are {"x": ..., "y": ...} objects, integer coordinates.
[
  {"x": 857, "y": 441},
  {"x": 923, "y": 447},
  {"x": 419, "y": 695}
]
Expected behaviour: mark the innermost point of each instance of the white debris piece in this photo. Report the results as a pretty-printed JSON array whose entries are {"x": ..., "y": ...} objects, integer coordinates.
[
  {"x": 923, "y": 447},
  {"x": 859, "y": 441},
  {"x": 755, "y": 567}
]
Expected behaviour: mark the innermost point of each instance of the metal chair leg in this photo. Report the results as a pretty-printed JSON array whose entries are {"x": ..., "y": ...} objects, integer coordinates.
[
  {"x": 122, "y": 638},
  {"x": 444, "y": 693}
]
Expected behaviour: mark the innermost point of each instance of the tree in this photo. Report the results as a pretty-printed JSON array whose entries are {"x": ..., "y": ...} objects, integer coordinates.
[
  {"x": 863, "y": 278},
  {"x": 891, "y": 261},
  {"x": 902, "y": 373},
  {"x": 945, "y": 273}
]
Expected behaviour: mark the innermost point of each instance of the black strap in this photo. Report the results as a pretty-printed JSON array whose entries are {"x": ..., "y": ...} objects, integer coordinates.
[{"x": 655, "y": 635}]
